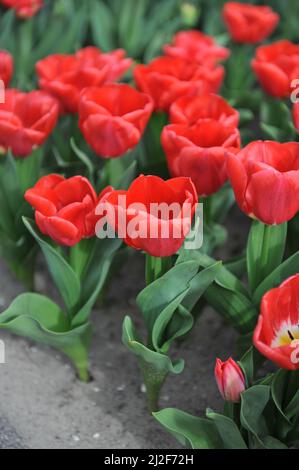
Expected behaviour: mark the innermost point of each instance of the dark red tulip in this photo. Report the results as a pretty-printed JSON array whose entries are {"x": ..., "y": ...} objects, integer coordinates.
[
  {"x": 6, "y": 67},
  {"x": 276, "y": 66},
  {"x": 191, "y": 109},
  {"x": 165, "y": 79},
  {"x": 265, "y": 179},
  {"x": 113, "y": 118},
  {"x": 65, "y": 76},
  {"x": 26, "y": 120},
  {"x": 248, "y": 23},
  {"x": 24, "y": 8},
  {"x": 64, "y": 208},
  {"x": 196, "y": 46},
  {"x": 136, "y": 215},
  {"x": 200, "y": 152}
]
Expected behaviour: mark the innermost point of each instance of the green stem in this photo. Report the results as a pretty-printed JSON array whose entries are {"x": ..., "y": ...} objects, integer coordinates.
[
  {"x": 153, "y": 381},
  {"x": 156, "y": 267},
  {"x": 79, "y": 357},
  {"x": 207, "y": 209}
]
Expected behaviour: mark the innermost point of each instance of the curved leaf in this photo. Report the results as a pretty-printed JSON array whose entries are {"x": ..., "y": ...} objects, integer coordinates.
[
  {"x": 228, "y": 430},
  {"x": 65, "y": 278},
  {"x": 161, "y": 363},
  {"x": 197, "y": 433}
]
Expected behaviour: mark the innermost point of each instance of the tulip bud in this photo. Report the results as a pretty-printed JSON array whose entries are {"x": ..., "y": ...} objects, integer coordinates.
[
  {"x": 190, "y": 14},
  {"x": 230, "y": 380}
]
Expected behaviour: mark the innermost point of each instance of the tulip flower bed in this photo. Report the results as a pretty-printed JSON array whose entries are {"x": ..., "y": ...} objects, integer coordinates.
[{"x": 149, "y": 225}]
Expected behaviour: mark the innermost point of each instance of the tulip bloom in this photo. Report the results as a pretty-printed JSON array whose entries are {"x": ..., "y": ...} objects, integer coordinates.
[
  {"x": 265, "y": 180},
  {"x": 153, "y": 215},
  {"x": 113, "y": 118},
  {"x": 197, "y": 47},
  {"x": 276, "y": 66},
  {"x": 230, "y": 380},
  {"x": 167, "y": 78},
  {"x": 26, "y": 120},
  {"x": 64, "y": 208},
  {"x": 191, "y": 109},
  {"x": 249, "y": 23},
  {"x": 6, "y": 67},
  {"x": 276, "y": 335},
  {"x": 24, "y": 8},
  {"x": 200, "y": 152},
  {"x": 65, "y": 76}
]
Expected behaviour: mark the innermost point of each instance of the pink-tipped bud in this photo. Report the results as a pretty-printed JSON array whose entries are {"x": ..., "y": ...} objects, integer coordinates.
[{"x": 230, "y": 379}]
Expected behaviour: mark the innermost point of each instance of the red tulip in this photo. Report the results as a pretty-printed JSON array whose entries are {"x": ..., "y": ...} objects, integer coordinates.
[
  {"x": 153, "y": 215},
  {"x": 167, "y": 78},
  {"x": 65, "y": 76},
  {"x": 249, "y": 23},
  {"x": 65, "y": 208},
  {"x": 191, "y": 109},
  {"x": 200, "y": 152},
  {"x": 276, "y": 66},
  {"x": 6, "y": 67},
  {"x": 24, "y": 8},
  {"x": 26, "y": 120},
  {"x": 265, "y": 179},
  {"x": 195, "y": 46},
  {"x": 113, "y": 118},
  {"x": 230, "y": 380},
  {"x": 277, "y": 330}
]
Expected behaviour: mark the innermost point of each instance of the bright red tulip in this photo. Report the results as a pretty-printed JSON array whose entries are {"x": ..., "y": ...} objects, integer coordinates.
[
  {"x": 276, "y": 66},
  {"x": 64, "y": 208},
  {"x": 249, "y": 23},
  {"x": 230, "y": 380},
  {"x": 167, "y": 78},
  {"x": 6, "y": 67},
  {"x": 65, "y": 76},
  {"x": 191, "y": 109},
  {"x": 276, "y": 335},
  {"x": 153, "y": 215},
  {"x": 24, "y": 8},
  {"x": 200, "y": 152},
  {"x": 265, "y": 179},
  {"x": 113, "y": 118},
  {"x": 196, "y": 46},
  {"x": 26, "y": 120}
]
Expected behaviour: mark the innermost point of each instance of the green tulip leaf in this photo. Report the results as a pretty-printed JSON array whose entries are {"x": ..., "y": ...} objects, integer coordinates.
[
  {"x": 253, "y": 403},
  {"x": 250, "y": 363},
  {"x": 271, "y": 442},
  {"x": 278, "y": 392},
  {"x": 288, "y": 268},
  {"x": 165, "y": 294},
  {"x": 191, "y": 431},
  {"x": 157, "y": 362},
  {"x": 265, "y": 250},
  {"x": 228, "y": 430},
  {"x": 37, "y": 318},
  {"x": 95, "y": 275},
  {"x": 64, "y": 277},
  {"x": 226, "y": 294}
]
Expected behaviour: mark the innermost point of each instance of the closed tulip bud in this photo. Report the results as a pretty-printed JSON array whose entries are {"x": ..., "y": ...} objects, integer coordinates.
[
  {"x": 190, "y": 14},
  {"x": 230, "y": 380}
]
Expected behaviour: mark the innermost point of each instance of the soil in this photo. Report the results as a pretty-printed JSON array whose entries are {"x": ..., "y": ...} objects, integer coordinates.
[{"x": 44, "y": 406}]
